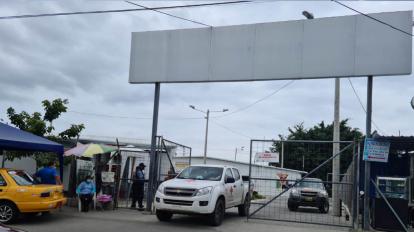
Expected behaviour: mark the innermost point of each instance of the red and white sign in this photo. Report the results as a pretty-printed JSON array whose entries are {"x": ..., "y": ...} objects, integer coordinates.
[{"x": 271, "y": 157}]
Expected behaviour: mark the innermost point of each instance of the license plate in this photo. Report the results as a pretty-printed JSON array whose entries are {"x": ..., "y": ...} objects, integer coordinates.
[{"x": 308, "y": 199}]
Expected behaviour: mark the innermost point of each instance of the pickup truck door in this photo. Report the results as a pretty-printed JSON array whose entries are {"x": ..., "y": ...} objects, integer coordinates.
[
  {"x": 238, "y": 187},
  {"x": 229, "y": 188}
]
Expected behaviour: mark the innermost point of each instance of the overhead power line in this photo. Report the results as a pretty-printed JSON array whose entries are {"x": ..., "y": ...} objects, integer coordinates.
[
  {"x": 373, "y": 18},
  {"x": 130, "y": 117},
  {"x": 121, "y": 10},
  {"x": 231, "y": 130},
  {"x": 171, "y": 15},
  {"x": 363, "y": 107},
  {"x": 257, "y": 101}
]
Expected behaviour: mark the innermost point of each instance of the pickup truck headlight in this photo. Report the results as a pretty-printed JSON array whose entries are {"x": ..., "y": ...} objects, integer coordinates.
[
  {"x": 294, "y": 192},
  {"x": 323, "y": 193},
  {"x": 204, "y": 191},
  {"x": 161, "y": 189}
]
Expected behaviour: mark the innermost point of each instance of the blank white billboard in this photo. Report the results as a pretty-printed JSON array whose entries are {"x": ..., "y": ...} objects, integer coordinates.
[{"x": 346, "y": 46}]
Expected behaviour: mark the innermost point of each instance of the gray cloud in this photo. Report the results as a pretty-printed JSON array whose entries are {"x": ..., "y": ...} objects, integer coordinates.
[{"x": 86, "y": 59}]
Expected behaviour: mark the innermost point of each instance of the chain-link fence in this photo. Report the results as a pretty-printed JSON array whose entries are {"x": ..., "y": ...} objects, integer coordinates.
[{"x": 299, "y": 189}]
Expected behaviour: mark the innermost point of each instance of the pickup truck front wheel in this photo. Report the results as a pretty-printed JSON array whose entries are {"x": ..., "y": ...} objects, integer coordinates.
[
  {"x": 216, "y": 218},
  {"x": 164, "y": 215}
]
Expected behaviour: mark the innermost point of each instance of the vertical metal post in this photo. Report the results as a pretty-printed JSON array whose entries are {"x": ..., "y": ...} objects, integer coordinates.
[
  {"x": 189, "y": 161},
  {"x": 355, "y": 190},
  {"x": 357, "y": 184},
  {"x": 282, "y": 156},
  {"x": 235, "y": 154},
  {"x": 303, "y": 162},
  {"x": 205, "y": 141},
  {"x": 153, "y": 160},
  {"x": 3, "y": 154},
  {"x": 336, "y": 161},
  {"x": 250, "y": 176},
  {"x": 367, "y": 174}
]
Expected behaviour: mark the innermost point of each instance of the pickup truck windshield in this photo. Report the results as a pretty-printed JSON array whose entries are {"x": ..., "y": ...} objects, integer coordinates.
[
  {"x": 310, "y": 184},
  {"x": 201, "y": 173}
]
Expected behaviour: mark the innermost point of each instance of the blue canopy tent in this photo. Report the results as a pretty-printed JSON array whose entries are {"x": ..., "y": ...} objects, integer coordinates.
[{"x": 17, "y": 140}]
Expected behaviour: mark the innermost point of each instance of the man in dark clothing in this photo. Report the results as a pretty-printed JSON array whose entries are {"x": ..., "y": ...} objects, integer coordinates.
[
  {"x": 138, "y": 187},
  {"x": 48, "y": 175}
]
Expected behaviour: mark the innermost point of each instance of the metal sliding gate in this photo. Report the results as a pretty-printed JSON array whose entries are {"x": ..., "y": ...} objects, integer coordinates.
[
  {"x": 166, "y": 152},
  {"x": 315, "y": 196}
]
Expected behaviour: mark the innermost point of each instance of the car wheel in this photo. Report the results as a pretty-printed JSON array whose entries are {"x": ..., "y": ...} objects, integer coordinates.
[
  {"x": 163, "y": 215},
  {"x": 8, "y": 212},
  {"x": 216, "y": 218},
  {"x": 324, "y": 208},
  {"x": 292, "y": 207},
  {"x": 244, "y": 208}
]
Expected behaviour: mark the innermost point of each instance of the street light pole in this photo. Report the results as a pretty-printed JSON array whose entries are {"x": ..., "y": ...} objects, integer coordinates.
[
  {"x": 205, "y": 140},
  {"x": 235, "y": 153},
  {"x": 207, "y": 113}
]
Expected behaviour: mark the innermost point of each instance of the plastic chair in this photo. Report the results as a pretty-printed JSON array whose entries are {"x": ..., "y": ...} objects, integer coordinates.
[{"x": 80, "y": 203}]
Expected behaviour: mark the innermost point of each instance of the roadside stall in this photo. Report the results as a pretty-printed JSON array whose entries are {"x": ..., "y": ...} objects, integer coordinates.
[
  {"x": 92, "y": 160},
  {"x": 14, "y": 139}
]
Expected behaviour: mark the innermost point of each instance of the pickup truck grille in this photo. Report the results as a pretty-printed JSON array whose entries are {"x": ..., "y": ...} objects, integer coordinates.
[
  {"x": 308, "y": 194},
  {"x": 178, "y": 202},
  {"x": 179, "y": 192}
]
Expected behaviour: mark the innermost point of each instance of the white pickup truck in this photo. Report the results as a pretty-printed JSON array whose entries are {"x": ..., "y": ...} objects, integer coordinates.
[{"x": 203, "y": 189}]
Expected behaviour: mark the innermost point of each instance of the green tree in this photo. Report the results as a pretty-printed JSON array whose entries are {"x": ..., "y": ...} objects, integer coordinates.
[
  {"x": 314, "y": 154},
  {"x": 42, "y": 126},
  {"x": 53, "y": 110}
]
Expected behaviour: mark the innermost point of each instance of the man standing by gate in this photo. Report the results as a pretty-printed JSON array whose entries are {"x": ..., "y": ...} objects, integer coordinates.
[{"x": 138, "y": 187}]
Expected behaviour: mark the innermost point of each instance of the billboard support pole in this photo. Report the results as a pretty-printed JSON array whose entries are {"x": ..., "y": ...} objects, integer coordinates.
[
  {"x": 367, "y": 164},
  {"x": 152, "y": 172}
]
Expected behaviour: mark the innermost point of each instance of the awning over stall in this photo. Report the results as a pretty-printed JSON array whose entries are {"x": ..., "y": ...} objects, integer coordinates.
[{"x": 17, "y": 140}]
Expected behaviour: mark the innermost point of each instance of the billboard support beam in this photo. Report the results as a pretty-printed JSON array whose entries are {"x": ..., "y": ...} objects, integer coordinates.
[
  {"x": 367, "y": 175},
  {"x": 152, "y": 182}
]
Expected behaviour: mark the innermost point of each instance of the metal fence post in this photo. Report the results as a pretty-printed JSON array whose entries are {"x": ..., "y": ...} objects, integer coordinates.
[
  {"x": 250, "y": 176},
  {"x": 355, "y": 193}
]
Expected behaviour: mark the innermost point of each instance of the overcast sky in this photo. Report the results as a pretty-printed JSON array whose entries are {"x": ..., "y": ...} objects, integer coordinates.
[{"x": 85, "y": 58}]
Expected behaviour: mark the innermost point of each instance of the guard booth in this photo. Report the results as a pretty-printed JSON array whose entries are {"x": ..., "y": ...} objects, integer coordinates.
[{"x": 395, "y": 179}]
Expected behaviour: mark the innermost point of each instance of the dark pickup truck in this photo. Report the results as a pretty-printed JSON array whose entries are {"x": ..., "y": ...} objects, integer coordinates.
[{"x": 311, "y": 193}]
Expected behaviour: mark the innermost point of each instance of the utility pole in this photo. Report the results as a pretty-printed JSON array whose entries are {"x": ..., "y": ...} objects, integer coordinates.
[
  {"x": 282, "y": 156},
  {"x": 367, "y": 164},
  {"x": 206, "y": 137},
  {"x": 207, "y": 113},
  {"x": 235, "y": 152},
  {"x": 336, "y": 203}
]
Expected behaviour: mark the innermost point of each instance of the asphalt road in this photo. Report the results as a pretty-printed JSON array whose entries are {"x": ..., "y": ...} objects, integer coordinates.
[
  {"x": 278, "y": 210},
  {"x": 123, "y": 220}
]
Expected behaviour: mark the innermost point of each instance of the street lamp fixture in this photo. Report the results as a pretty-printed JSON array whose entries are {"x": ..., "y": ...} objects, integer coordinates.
[
  {"x": 307, "y": 14},
  {"x": 412, "y": 102},
  {"x": 207, "y": 113}
]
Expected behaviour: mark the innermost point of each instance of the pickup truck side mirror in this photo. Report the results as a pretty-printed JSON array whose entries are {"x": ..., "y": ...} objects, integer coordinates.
[{"x": 230, "y": 180}]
